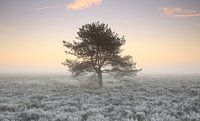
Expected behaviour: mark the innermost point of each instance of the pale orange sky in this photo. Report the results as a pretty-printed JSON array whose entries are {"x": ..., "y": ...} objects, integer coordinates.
[{"x": 162, "y": 36}]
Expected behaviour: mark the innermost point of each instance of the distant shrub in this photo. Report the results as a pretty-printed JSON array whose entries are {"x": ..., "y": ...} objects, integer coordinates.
[
  {"x": 34, "y": 115},
  {"x": 33, "y": 104},
  {"x": 7, "y": 107},
  {"x": 38, "y": 97}
]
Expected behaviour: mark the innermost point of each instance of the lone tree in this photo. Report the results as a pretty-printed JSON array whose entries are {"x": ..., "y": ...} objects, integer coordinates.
[{"x": 98, "y": 50}]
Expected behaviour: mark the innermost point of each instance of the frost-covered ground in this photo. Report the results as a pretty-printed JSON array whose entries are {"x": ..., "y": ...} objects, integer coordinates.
[{"x": 144, "y": 98}]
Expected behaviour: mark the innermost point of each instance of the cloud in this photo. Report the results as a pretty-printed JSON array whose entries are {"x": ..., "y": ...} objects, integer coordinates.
[
  {"x": 75, "y": 5},
  {"x": 46, "y": 7},
  {"x": 180, "y": 12},
  {"x": 82, "y": 4}
]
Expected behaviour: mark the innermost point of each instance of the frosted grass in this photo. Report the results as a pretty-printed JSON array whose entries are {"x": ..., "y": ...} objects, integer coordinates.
[{"x": 60, "y": 98}]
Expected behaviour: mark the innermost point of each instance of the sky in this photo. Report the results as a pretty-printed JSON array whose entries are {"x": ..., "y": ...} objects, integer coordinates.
[{"x": 162, "y": 35}]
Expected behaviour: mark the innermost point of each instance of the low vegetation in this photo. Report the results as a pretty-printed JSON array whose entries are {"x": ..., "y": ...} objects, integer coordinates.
[{"x": 139, "y": 99}]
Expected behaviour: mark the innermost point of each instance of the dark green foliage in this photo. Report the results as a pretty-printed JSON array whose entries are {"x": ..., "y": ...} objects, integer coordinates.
[{"x": 97, "y": 50}]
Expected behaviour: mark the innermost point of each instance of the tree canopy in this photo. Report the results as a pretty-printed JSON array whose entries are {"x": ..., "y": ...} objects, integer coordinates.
[{"x": 97, "y": 49}]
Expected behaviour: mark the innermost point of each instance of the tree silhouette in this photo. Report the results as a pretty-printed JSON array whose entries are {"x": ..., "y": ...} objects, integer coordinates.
[{"x": 98, "y": 50}]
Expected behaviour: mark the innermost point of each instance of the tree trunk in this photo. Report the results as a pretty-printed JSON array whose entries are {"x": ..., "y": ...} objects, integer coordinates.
[{"x": 100, "y": 79}]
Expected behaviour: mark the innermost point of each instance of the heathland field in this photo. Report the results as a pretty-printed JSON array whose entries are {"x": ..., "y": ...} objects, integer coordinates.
[{"x": 59, "y": 98}]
